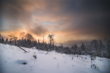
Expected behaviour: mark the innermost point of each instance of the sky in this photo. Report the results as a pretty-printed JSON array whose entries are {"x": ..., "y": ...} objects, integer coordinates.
[{"x": 67, "y": 20}]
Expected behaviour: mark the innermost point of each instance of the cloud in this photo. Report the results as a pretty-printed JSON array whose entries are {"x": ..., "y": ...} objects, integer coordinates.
[
  {"x": 76, "y": 17},
  {"x": 38, "y": 29},
  {"x": 90, "y": 24}
]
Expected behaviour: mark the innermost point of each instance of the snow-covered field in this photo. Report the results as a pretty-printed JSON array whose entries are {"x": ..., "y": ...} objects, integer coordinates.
[{"x": 15, "y": 60}]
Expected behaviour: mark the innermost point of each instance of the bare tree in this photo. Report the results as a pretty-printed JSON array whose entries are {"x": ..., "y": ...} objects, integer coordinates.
[{"x": 51, "y": 39}]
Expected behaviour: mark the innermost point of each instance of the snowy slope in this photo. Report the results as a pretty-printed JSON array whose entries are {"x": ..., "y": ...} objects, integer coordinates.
[{"x": 12, "y": 57}]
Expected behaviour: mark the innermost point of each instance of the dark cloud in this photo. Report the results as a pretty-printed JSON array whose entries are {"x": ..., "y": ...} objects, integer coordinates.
[
  {"x": 38, "y": 29},
  {"x": 88, "y": 17},
  {"x": 85, "y": 5},
  {"x": 92, "y": 24}
]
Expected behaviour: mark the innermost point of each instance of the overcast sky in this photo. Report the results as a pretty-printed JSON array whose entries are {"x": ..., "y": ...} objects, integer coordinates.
[{"x": 67, "y": 19}]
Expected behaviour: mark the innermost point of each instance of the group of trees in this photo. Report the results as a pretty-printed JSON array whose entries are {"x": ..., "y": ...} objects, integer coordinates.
[
  {"x": 28, "y": 41},
  {"x": 95, "y": 47}
]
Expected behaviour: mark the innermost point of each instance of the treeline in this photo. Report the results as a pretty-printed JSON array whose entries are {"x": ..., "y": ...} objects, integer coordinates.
[{"x": 99, "y": 48}]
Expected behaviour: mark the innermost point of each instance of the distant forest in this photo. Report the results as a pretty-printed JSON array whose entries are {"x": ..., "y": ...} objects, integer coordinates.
[{"x": 99, "y": 48}]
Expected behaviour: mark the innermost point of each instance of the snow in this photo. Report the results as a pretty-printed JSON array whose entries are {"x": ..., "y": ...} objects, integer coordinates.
[{"x": 15, "y": 60}]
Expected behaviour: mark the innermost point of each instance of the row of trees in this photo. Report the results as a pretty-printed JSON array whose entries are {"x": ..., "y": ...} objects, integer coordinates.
[{"x": 94, "y": 47}]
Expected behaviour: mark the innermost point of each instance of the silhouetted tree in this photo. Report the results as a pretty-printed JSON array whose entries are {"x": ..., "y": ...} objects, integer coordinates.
[
  {"x": 51, "y": 39},
  {"x": 29, "y": 37}
]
